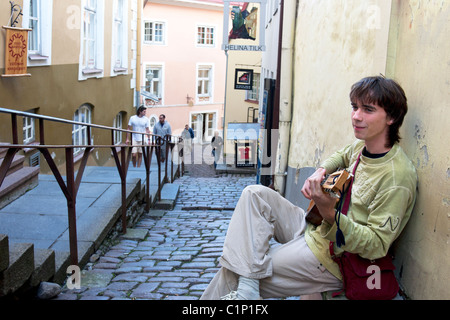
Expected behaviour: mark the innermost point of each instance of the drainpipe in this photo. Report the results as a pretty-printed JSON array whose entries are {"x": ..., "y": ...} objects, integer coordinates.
[
  {"x": 285, "y": 72},
  {"x": 140, "y": 8}
]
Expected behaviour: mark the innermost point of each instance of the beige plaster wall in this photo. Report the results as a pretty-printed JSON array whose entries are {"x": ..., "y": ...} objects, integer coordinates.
[
  {"x": 420, "y": 60},
  {"x": 339, "y": 42},
  {"x": 336, "y": 45}
]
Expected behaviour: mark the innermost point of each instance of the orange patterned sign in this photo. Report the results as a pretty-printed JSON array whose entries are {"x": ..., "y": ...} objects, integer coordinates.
[{"x": 16, "y": 52}]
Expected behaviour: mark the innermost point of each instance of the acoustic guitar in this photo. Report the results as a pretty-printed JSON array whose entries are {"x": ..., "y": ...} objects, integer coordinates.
[{"x": 334, "y": 184}]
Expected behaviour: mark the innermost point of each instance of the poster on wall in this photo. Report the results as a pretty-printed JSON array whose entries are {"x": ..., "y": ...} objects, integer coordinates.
[
  {"x": 243, "y": 79},
  {"x": 247, "y": 20},
  {"x": 16, "y": 52},
  {"x": 245, "y": 154}
]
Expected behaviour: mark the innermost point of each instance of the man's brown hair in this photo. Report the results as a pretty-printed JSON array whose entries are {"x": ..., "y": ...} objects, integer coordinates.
[{"x": 389, "y": 95}]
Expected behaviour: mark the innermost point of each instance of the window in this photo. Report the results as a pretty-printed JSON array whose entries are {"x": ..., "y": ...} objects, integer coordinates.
[
  {"x": 210, "y": 124},
  {"x": 38, "y": 16},
  {"x": 118, "y": 122},
  {"x": 204, "y": 83},
  {"x": 204, "y": 125},
  {"x": 205, "y": 36},
  {"x": 90, "y": 11},
  {"x": 154, "y": 32},
  {"x": 120, "y": 37},
  {"x": 34, "y": 24},
  {"x": 253, "y": 95},
  {"x": 91, "y": 57},
  {"x": 155, "y": 87},
  {"x": 79, "y": 132},
  {"x": 29, "y": 132}
]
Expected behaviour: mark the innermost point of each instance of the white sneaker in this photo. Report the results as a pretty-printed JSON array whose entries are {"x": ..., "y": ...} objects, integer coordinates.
[{"x": 233, "y": 295}]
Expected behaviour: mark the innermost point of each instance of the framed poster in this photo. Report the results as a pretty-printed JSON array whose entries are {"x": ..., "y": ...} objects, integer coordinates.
[
  {"x": 247, "y": 20},
  {"x": 243, "y": 79},
  {"x": 244, "y": 154}
]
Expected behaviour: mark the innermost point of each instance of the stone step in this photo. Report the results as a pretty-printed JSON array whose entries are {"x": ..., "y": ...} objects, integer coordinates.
[
  {"x": 3, "y": 150},
  {"x": 16, "y": 164},
  {"x": 169, "y": 196},
  {"x": 4, "y": 252},
  {"x": 20, "y": 269},
  {"x": 44, "y": 266},
  {"x": 17, "y": 184}
]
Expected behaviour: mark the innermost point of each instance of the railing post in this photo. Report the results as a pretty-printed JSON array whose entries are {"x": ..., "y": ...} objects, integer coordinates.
[
  {"x": 147, "y": 152},
  {"x": 124, "y": 191},
  {"x": 41, "y": 132},
  {"x": 158, "y": 160},
  {"x": 71, "y": 207},
  {"x": 6, "y": 164},
  {"x": 14, "y": 129}
]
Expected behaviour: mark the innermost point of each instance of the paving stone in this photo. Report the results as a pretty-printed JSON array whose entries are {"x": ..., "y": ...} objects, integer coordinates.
[
  {"x": 173, "y": 291},
  {"x": 127, "y": 270},
  {"x": 144, "y": 290},
  {"x": 122, "y": 286},
  {"x": 176, "y": 255},
  {"x": 198, "y": 265},
  {"x": 165, "y": 279},
  {"x": 138, "y": 277}
]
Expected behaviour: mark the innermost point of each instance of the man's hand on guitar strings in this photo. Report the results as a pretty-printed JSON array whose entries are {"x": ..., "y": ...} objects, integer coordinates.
[{"x": 317, "y": 176}]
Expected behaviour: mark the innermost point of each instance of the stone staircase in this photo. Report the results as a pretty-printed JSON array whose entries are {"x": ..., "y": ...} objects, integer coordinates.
[
  {"x": 22, "y": 266},
  {"x": 19, "y": 179}
]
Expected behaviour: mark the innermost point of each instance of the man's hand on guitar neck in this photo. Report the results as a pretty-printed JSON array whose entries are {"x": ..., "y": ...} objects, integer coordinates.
[{"x": 312, "y": 190}]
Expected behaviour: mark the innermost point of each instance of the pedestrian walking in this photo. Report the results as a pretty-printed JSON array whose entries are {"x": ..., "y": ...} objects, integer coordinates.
[
  {"x": 188, "y": 136},
  {"x": 162, "y": 128},
  {"x": 139, "y": 123},
  {"x": 217, "y": 145}
]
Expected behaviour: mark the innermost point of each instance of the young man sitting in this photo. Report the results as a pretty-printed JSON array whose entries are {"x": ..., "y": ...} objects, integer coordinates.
[{"x": 382, "y": 199}]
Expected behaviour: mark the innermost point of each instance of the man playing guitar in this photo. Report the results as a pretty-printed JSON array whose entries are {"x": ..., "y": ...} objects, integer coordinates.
[{"x": 382, "y": 199}]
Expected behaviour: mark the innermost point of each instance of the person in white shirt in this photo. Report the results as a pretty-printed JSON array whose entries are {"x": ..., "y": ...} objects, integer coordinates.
[{"x": 139, "y": 123}]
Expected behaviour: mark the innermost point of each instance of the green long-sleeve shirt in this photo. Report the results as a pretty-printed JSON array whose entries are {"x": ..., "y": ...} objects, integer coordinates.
[{"x": 382, "y": 199}]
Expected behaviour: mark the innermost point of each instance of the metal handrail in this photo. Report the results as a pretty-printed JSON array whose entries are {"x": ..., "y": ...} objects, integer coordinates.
[
  {"x": 60, "y": 120},
  {"x": 72, "y": 183}
]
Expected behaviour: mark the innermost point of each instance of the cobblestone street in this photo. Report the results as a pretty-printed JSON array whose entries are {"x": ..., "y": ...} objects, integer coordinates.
[{"x": 178, "y": 256}]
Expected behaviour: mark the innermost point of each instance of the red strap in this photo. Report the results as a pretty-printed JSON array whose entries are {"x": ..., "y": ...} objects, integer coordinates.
[
  {"x": 349, "y": 191},
  {"x": 347, "y": 201},
  {"x": 344, "y": 211}
]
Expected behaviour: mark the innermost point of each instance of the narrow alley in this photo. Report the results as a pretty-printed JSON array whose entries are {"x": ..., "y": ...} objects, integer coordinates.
[{"x": 173, "y": 254}]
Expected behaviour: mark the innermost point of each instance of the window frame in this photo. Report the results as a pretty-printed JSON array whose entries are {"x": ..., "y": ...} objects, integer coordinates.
[
  {"x": 119, "y": 48},
  {"x": 29, "y": 123},
  {"x": 118, "y": 123},
  {"x": 80, "y": 132},
  {"x": 152, "y": 34},
  {"x": 95, "y": 69},
  {"x": 160, "y": 91},
  {"x": 253, "y": 95},
  {"x": 204, "y": 96},
  {"x": 42, "y": 54},
  {"x": 213, "y": 37}
]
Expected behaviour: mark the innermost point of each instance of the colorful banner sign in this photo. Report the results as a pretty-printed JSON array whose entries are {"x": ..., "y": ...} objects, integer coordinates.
[
  {"x": 246, "y": 19},
  {"x": 16, "y": 52}
]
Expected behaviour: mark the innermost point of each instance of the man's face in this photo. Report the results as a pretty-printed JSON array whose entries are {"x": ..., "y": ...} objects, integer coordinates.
[
  {"x": 143, "y": 112},
  {"x": 370, "y": 123},
  {"x": 161, "y": 119}
]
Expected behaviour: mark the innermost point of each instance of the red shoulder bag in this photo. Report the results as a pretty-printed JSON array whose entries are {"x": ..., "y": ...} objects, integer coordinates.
[{"x": 363, "y": 279}]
